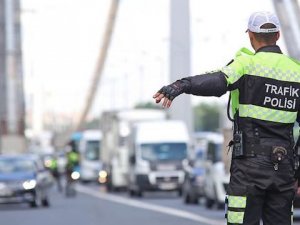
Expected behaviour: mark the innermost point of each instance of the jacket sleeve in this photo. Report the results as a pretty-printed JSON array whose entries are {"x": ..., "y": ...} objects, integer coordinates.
[{"x": 209, "y": 84}]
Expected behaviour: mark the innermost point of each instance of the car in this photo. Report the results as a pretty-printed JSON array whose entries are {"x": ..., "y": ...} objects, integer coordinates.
[
  {"x": 24, "y": 179},
  {"x": 193, "y": 185},
  {"x": 216, "y": 177}
]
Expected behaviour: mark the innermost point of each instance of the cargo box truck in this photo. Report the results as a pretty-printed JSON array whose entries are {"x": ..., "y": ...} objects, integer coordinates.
[{"x": 116, "y": 128}]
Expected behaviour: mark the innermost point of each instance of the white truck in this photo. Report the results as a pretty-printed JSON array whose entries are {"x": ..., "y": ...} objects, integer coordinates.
[
  {"x": 89, "y": 150},
  {"x": 157, "y": 152},
  {"x": 116, "y": 127}
]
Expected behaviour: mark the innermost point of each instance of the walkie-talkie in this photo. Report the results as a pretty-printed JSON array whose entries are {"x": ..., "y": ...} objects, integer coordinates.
[{"x": 238, "y": 150}]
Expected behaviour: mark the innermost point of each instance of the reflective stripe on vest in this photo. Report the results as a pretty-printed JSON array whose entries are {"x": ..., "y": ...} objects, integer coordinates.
[
  {"x": 277, "y": 74},
  {"x": 262, "y": 113}
]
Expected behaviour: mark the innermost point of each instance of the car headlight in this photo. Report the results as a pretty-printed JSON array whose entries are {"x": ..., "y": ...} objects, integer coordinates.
[
  {"x": 75, "y": 175},
  {"x": 2, "y": 185},
  {"x": 102, "y": 177},
  {"x": 29, "y": 184},
  {"x": 103, "y": 174}
]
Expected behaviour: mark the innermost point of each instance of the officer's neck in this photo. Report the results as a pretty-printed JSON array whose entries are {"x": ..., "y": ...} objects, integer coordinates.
[{"x": 259, "y": 45}]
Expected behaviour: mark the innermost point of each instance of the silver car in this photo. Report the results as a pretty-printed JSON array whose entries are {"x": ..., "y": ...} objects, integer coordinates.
[{"x": 23, "y": 179}]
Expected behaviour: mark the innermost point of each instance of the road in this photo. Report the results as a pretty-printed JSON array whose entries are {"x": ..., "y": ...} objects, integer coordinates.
[{"x": 93, "y": 206}]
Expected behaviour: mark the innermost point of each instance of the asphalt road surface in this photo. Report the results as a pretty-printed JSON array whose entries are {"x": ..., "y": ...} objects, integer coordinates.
[{"x": 93, "y": 206}]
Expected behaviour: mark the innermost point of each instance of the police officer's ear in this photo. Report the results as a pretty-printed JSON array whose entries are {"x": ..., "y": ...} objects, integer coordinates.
[
  {"x": 277, "y": 36},
  {"x": 252, "y": 39}
]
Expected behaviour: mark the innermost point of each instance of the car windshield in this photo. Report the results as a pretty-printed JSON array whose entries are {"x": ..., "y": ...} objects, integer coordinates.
[
  {"x": 92, "y": 150},
  {"x": 164, "y": 151},
  {"x": 16, "y": 165},
  {"x": 214, "y": 152}
]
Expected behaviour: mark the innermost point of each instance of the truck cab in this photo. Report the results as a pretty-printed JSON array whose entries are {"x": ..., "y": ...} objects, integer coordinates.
[{"x": 157, "y": 151}]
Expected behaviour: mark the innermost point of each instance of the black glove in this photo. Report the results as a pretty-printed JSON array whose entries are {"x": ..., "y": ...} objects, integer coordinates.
[{"x": 173, "y": 90}]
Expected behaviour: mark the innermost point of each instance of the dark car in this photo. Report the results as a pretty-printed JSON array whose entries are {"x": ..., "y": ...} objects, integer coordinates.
[
  {"x": 23, "y": 179},
  {"x": 297, "y": 198},
  {"x": 193, "y": 186}
]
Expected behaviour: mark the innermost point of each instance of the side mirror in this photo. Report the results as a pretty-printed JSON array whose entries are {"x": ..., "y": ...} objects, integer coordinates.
[
  {"x": 132, "y": 159},
  {"x": 187, "y": 165},
  {"x": 191, "y": 162}
]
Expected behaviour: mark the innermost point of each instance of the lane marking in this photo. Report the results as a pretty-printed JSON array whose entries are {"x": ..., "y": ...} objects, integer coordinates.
[{"x": 149, "y": 206}]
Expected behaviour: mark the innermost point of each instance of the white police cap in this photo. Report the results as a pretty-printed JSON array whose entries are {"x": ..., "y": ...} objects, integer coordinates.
[{"x": 257, "y": 19}]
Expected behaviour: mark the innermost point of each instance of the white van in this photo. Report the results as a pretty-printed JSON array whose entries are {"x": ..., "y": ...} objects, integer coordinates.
[
  {"x": 89, "y": 150},
  {"x": 157, "y": 150}
]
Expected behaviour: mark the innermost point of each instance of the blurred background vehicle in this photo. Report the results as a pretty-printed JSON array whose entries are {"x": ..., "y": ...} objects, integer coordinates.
[
  {"x": 196, "y": 165},
  {"x": 71, "y": 179},
  {"x": 157, "y": 151},
  {"x": 51, "y": 162},
  {"x": 216, "y": 179},
  {"x": 116, "y": 129},
  {"x": 89, "y": 151},
  {"x": 194, "y": 178},
  {"x": 24, "y": 179}
]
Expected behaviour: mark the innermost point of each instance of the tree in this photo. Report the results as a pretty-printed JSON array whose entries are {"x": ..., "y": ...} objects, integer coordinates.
[
  {"x": 92, "y": 124},
  {"x": 147, "y": 105},
  {"x": 207, "y": 117}
]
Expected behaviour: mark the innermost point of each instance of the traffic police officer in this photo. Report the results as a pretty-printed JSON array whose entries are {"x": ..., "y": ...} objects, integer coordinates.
[{"x": 264, "y": 88}]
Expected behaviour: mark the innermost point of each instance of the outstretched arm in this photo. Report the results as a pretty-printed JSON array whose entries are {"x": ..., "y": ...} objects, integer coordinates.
[{"x": 209, "y": 84}]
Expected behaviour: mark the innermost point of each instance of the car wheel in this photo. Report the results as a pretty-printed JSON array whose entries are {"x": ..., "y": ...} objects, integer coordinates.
[
  {"x": 139, "y": 193},
  {"x": 185, "y": 192},
  {"x": 36, "y": 200},
  {"x": 33, "y": 204},
  {"x": 131, "y": 193},
  {"x": 209, "y": 203},
  {"x": 186, "y": 198},
  {"x": 109, "y": 186},
  {"x": 220, "y": 205},
  {"x": 190, "y": 197},
  {"x": 180, "y": 192},
  {"x": 45, "y": 202},
  {"x": 194, "y": 200}
]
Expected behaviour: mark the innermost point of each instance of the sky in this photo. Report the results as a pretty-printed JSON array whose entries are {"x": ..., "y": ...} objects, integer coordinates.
[{"x": 62, "y": 38}]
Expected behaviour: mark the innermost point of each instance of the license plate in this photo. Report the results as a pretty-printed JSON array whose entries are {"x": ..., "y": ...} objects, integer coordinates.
[
  {"x": 165, "y": 167},
  {"x": 167, "y": 186}
]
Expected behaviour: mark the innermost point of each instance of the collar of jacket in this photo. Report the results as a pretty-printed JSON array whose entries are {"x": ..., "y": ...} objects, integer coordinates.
[{"x": 270, "y": 48}]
